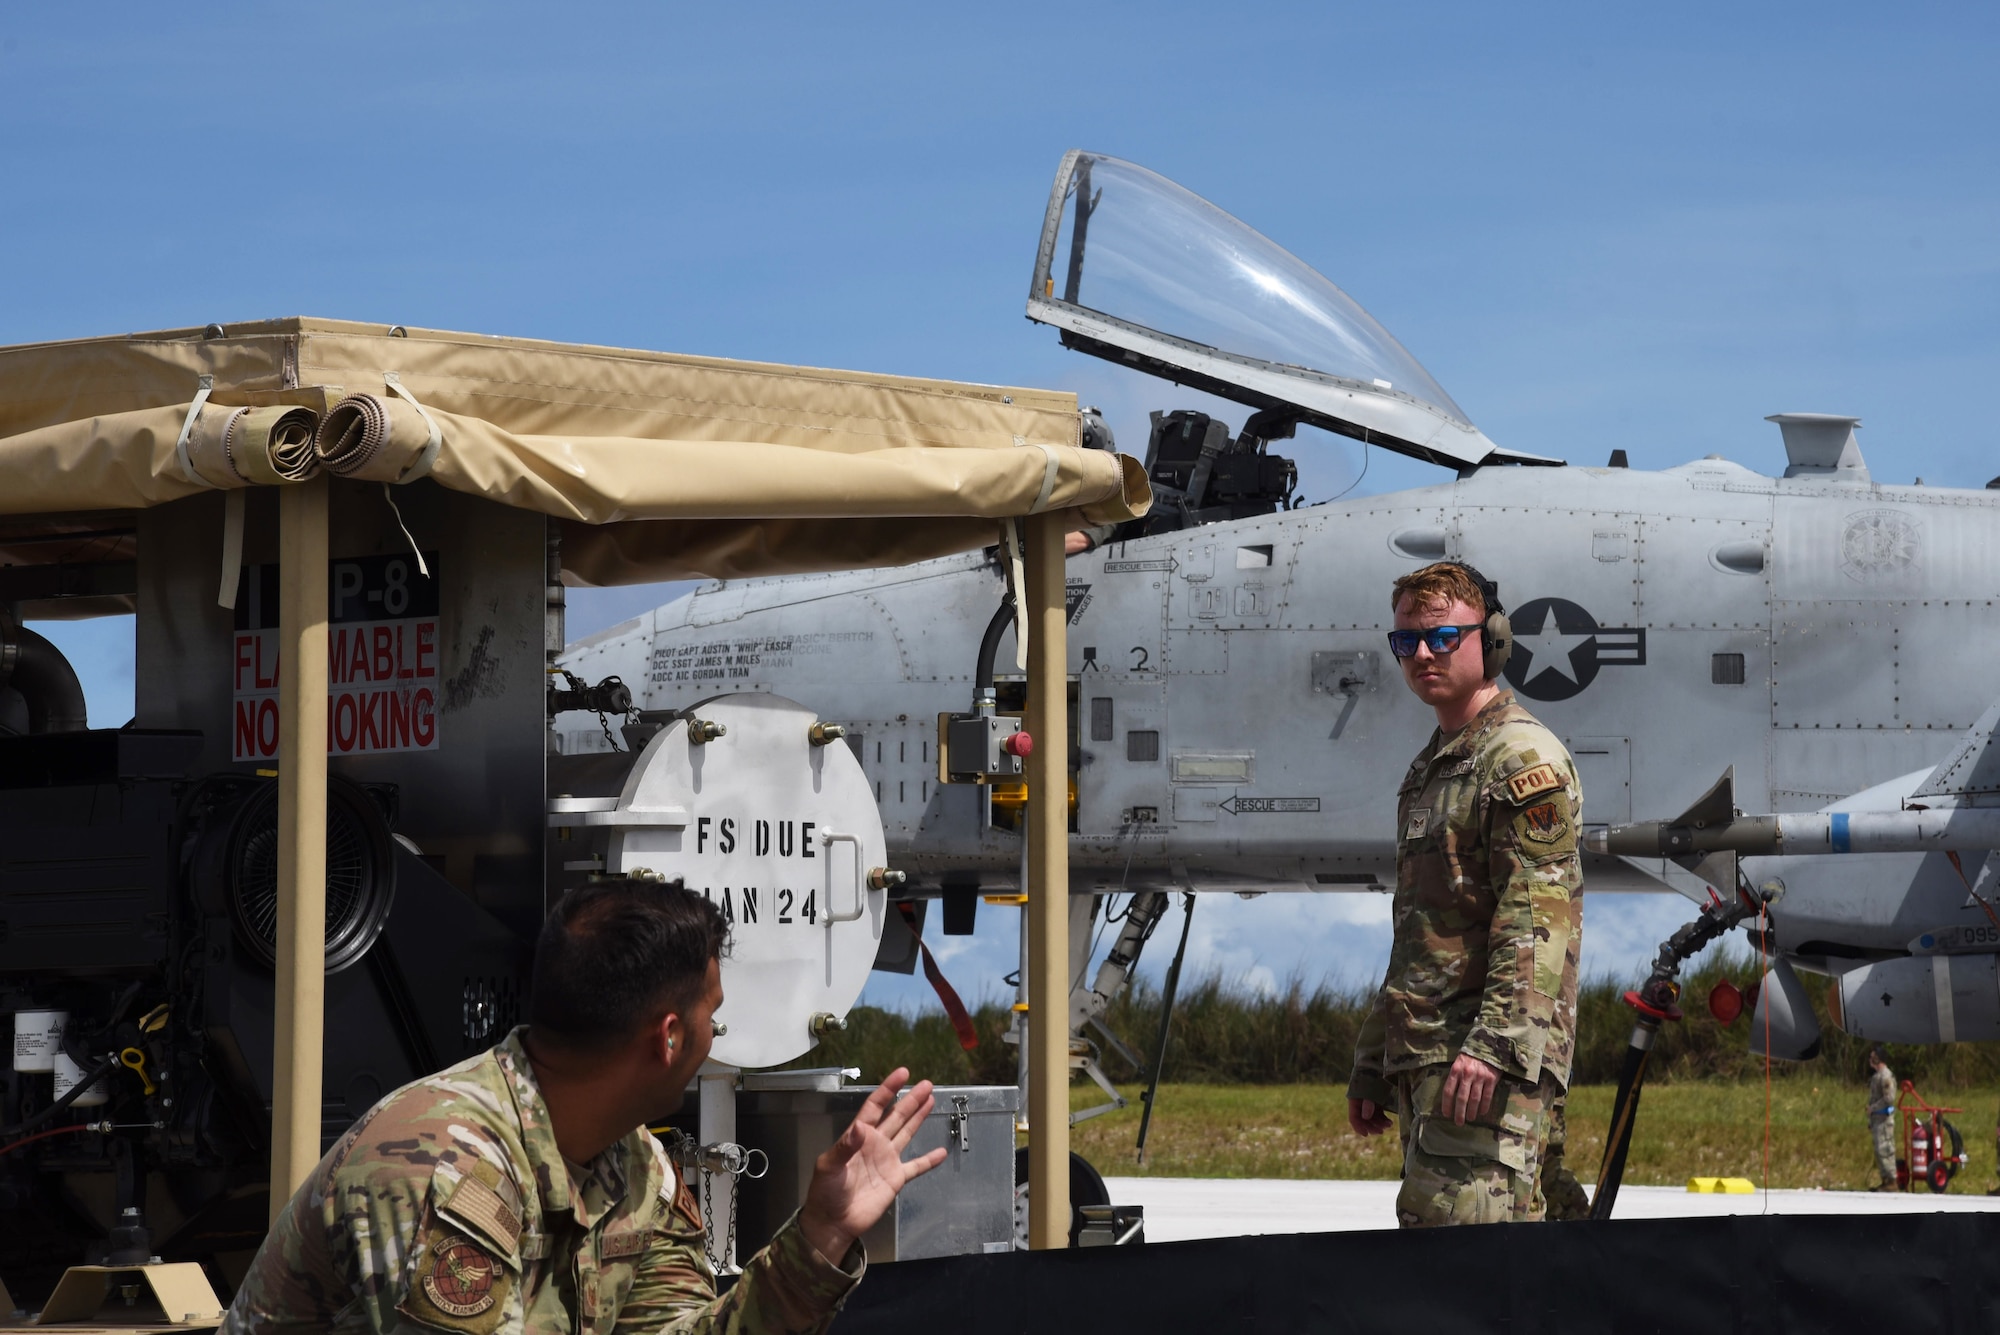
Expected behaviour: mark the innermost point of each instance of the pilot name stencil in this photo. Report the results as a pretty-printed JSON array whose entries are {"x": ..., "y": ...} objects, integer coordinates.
[{"x": 736, "y": 659}]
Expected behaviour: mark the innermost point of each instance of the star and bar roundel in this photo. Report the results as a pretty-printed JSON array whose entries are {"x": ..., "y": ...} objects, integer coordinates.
[{"x": 1559, "y": 648}]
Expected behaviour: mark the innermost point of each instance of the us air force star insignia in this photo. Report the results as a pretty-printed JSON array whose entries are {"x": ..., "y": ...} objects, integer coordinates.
[
  {"x": 1559, "y": 648},
  {"x": 1538, "y": 779},
  {"x": 460, "y": 1281},
  {"x": 1552, "y": 649},
  {"x": 1420, "y": 821}
]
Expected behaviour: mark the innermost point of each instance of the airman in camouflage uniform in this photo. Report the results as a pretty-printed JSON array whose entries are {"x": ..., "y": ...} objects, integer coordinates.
[
  {"x": 449, "y": 1207},
  {"x": 1481, "y": 987},
  {"x": 520, "y": 1193},
  {"x": 1882, "y": 1117}
]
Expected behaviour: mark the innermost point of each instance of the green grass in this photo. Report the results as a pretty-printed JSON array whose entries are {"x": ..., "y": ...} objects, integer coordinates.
[
  {"x": 1225, "y": 1035},
  {"x": 1255, "y": 1086},
  {"x": 1819, "y": 1137}
]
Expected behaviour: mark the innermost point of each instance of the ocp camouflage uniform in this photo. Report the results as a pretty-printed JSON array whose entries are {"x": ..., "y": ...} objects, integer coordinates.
[
  {"x": 1562, "y": 1195},
  {"x": 1488, "y": 920},
  {"x": 449, "y": 1207},
  {"x": 1881, "y": 1123}
]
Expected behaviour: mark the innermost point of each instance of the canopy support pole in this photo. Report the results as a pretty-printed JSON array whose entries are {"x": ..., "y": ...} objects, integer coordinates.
[
  {"x": 1048, "y": 885},
  {"x": 301, "y": 984}
]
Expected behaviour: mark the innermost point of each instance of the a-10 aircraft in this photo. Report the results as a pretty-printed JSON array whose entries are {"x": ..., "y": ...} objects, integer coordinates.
[{"x": 1239, "y": 725}]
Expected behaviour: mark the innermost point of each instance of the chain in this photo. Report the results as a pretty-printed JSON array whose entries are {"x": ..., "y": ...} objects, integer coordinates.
[{"x": 712, "y": 1161}]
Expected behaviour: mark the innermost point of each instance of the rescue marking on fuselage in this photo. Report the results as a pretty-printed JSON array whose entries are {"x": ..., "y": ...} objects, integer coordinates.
[{"x": 1261, "y": 806}]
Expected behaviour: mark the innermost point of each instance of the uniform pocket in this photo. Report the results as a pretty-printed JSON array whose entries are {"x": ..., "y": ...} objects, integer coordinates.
[
  {"x": 1551, "y": 908},
  {"x": 1445, "y": 1139}
]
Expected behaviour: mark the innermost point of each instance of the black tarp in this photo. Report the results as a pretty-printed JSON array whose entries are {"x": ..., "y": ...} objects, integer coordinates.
[{"x": 1747, "y": 1273}]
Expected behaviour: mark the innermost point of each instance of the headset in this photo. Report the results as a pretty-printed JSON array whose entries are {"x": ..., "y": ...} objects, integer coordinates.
[{"x": 1498, "y": 632}]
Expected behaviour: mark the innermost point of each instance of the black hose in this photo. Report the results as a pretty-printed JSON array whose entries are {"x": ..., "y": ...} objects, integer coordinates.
[
  {"x": 989, "y": 643},
  {"x": 90, "y": 1077},
  {"x": 46, "y": 682},
  {"x": 1624, "y": 1113}
]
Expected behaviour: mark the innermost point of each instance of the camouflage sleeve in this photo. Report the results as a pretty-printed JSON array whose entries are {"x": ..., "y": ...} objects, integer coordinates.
[
  {"x": 1532, "y": 859},
  {"x": 787, "y": 1287},
  {"x": 1370, "y": 1046},
  {"x": 341, "y": 1245}
]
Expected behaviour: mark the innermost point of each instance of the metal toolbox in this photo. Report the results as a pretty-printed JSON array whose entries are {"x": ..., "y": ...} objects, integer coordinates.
[{"x": 964, "y": 1205}]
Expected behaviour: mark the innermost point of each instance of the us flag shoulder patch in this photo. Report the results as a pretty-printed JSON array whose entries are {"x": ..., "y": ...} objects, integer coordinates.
[{"x": 1536, "y": 779}]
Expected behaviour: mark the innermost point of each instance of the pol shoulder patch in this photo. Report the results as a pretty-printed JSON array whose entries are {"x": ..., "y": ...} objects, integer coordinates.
[{"x": 1535, "y": 779}]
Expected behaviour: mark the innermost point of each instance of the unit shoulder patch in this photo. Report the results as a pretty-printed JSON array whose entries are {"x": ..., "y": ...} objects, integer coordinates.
[
  {"x": 459, "y": 1286},
  {"x": 1544, "y": 823},
  {"x": 1529, "y": 782}
]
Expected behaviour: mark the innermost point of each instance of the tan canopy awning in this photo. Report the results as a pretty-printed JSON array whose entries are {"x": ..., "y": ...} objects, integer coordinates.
[{"x": 666, "y": 466}]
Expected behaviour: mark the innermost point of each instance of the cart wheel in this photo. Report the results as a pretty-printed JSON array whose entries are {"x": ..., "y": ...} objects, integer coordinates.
[
  {"x": 1939, "y": 1177},
  {"x": 1085, "y": 1188},
  {"x": 1956, "y": 1160}
]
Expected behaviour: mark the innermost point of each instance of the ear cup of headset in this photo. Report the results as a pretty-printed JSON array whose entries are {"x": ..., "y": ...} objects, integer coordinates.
[{"x": 1499, "y": 634}]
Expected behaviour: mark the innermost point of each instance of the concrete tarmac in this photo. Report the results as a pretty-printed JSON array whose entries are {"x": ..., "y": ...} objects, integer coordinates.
[{"x": 1182, "y": 1208}]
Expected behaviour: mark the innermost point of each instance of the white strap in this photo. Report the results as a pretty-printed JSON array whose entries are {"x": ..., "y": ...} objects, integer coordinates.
[
  {"x": 1049, "y": 470},
  {"x": 205, "y": 386},
  {"x": 390, "y": 496},
  {"x": 1017, "y": 576},
  {"x": 421, "y": 465},
  {"x": 232, "y": 547}
]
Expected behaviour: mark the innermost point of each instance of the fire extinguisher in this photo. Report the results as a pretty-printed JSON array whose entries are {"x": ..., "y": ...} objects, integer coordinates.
[{"x": 1920, "y": 1149}]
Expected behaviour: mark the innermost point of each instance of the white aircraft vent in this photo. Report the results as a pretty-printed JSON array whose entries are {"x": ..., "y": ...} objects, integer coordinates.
[{"x": 1821, "y": 445}]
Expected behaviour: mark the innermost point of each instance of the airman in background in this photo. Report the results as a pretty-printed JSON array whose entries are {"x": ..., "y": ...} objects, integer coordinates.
[
  {"x": 520, "y": 1192},
  {"x": 1882, "y": 1117},
  {"x": 1469, "y": 1039}
]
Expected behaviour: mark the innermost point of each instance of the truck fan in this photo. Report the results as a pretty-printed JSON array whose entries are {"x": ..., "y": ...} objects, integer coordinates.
[{"x": 237, "y": 866}]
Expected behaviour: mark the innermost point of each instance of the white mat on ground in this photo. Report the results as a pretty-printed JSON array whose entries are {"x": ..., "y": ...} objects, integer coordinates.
[{"x": 1180, "y": 1208}]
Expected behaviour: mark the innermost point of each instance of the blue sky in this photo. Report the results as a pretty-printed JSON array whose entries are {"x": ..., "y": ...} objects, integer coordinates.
[{"x": 1597, "y": 226}]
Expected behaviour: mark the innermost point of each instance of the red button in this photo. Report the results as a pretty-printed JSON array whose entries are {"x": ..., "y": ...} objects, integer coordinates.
[{"x": 1019, "y": 745}]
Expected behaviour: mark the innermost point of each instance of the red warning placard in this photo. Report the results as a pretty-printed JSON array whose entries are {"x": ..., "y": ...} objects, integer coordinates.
[{"x": 382, "y": 671}]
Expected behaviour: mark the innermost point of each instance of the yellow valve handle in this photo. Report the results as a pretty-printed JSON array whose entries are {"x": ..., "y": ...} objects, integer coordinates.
[
  {"x": 154, "y": 1020},
  {"x": 136, "y": 1060}
]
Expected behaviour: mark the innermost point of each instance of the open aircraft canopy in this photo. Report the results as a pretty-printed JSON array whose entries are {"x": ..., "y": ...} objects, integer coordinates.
[
  {"x": 762, "y": 469},
  {"x": 1154, "y": 276}
]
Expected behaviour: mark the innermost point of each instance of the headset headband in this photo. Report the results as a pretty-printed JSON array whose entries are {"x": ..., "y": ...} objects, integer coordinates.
[{"x": 1488, "y": 590}]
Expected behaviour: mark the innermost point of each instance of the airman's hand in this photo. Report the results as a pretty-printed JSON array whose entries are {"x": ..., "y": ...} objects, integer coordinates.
[
  {"x": 1468, "y": 1089},
  {"x": 1365, "y": 1118},
  {"x": 856, "y": 1180}
]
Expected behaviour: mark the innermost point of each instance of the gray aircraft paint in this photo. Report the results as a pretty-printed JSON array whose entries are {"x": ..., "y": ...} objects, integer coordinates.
[{"x": 1822, "y": 633}]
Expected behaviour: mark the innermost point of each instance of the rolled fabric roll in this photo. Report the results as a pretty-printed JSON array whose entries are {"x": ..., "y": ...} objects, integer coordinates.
[
  {"x": 208, "y": 446},
  {"x": 277, "y": 442},
  {"x": 241, "y": 447},
  {"x": 371, "y": 438}
]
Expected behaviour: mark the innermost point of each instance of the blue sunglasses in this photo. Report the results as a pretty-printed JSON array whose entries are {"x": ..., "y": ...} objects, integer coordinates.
[{"x": 1441, "y": 639}]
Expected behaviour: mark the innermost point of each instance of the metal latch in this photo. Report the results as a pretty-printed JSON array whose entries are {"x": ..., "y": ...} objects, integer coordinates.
[{"x": 959, "y": 1129}]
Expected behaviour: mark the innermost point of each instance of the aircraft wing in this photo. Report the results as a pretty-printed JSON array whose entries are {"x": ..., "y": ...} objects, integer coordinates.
[
  {"x": 1152, "y": 276},
  {"x": 1971, "y": 773}
]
